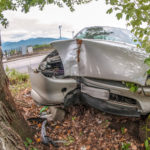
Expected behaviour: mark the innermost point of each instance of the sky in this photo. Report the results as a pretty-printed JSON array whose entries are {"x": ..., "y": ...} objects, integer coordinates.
[{"x": 45, "y": 23}]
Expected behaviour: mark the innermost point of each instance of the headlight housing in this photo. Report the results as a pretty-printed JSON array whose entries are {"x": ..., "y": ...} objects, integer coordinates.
[{"x": 52, "y": 65}]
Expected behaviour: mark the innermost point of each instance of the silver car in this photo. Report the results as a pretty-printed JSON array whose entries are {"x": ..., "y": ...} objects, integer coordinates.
[{"x": 94, "y": 68}]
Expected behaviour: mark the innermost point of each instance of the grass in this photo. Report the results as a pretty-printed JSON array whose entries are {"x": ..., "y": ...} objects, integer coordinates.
[
  {"x": 44, "y": 47},
  {"x": 125, "y": 146},
  {"x": 69, "y": 140},
  {"x": 17, "y": 81},
  {"x": 18, "y": 87},
  {"x": 15, "y": 76},
  {"x": 123, "y": 130}
]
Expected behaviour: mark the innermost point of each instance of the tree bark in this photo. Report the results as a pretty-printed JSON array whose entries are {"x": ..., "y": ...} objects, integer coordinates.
[{"x": 13, "y": 127}]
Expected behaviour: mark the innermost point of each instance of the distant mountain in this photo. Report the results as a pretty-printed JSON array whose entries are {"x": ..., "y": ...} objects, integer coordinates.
[{"x": 32, "y": 41}]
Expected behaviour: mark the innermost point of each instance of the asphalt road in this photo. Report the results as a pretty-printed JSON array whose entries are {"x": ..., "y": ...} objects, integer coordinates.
[{"x": 21, "y": 65}]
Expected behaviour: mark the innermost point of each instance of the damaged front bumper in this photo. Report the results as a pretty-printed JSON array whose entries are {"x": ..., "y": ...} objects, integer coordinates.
[
  {"x": 110, "y": 107},
  {"x": 53, "y": 91},
  {"x": 50, "y": 91}
]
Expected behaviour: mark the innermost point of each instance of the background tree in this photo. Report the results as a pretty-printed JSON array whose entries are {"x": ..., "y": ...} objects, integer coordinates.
[{"x": 25, "y": 6}]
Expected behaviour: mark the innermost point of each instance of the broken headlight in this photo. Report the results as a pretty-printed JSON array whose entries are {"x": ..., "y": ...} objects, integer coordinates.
[{"x": 52, "y": 65}]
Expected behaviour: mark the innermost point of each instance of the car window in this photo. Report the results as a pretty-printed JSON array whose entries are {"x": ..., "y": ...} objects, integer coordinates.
[{"x": 107, "y": 33}]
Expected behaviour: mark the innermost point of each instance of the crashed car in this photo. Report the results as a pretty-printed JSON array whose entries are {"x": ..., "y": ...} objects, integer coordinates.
[{"x": 93, "y": 68}]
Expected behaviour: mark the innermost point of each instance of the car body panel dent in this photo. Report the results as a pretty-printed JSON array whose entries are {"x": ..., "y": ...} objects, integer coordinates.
[
  {"x": 142, "y": 100},
  {"x": 95, "y": 92},
  {"x": 103, "y": 59}
]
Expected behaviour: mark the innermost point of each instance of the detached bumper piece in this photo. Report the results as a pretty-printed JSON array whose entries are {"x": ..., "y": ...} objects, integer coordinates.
[{"x": 109, "y": 107}]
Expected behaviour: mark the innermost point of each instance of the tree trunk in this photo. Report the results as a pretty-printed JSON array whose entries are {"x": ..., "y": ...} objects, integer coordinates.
[{"x": 13, "y": 127}]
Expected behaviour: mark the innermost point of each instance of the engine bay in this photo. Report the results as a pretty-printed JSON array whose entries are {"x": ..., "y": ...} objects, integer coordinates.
[{"x": 52, "y": 66}]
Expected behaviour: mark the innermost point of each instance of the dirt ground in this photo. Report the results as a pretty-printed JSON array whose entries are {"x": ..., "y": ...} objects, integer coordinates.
[{"x": 84, "y": 128}]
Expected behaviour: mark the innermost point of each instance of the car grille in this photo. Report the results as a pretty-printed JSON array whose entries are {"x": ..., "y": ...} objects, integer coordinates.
[{"x": 122, "y": 99}]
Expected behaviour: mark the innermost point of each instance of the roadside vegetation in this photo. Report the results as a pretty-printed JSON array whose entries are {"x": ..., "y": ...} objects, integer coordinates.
[
  {"x": 44, "y": 47},
  {"x": 36, "y": 49},
  {"x": 16, "y": 77},
  {"x": 17, "y": 81}
]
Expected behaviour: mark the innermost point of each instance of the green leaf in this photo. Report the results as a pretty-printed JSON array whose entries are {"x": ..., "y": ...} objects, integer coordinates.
[
  {"x": 26, "y": 144},
  {"x": 148, "y": 49},
  {"x": 125, "y": 146},
  {"x": 43, "y": 109},
  {"x": 127, "y": 17},
  {"x": 73, "y": 118},
  {"x": 147, "y": 61},
  {"x": 138, "y": 45},
  {"x": 148, "y": 72},
  {"x": 70, "y": 140},
  {"x": 123, "y": 130},
  {"x": 33, "y": 148},
  {"x": 133, "y": 89},
  {"x": 113, "y": 2},
  {"x": 29, "y": 140},
  {"x": 109, "y": 11},
  {"x": 125, "y": 1},
  {"x": 119, "y": 16},
  {"x": 146, "y": 144}
]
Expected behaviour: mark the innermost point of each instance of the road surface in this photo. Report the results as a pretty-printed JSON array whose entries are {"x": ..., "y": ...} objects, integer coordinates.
[{"x": 22, "y": 64}]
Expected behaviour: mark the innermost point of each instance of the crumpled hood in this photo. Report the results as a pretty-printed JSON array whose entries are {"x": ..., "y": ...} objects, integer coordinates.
[{"x": 103, "y": 59}]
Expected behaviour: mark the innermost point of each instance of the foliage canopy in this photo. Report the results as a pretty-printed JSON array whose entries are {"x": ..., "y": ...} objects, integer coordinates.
[
  {"x": 25, "y": 6},
  {"x": 137, "y": 15}
]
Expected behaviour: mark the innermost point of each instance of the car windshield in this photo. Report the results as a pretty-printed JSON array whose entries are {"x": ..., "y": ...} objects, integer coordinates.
[{"x": 107, "y": 33}]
